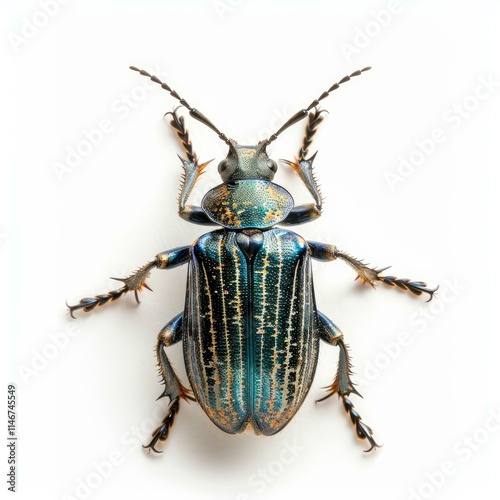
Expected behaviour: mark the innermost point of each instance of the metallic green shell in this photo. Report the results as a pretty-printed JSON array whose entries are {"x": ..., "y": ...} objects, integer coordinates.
[
  {"x": 247, "y": 203},
  {"x": 250, "y": 329}
]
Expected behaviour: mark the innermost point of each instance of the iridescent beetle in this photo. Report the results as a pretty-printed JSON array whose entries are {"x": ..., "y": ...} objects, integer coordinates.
[{"x": 250, "y": 327}]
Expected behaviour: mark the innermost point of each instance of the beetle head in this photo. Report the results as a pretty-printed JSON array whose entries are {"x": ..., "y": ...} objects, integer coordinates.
[
  {"x": 247, "y": 199},
  {"x": 247, "y": 162}
]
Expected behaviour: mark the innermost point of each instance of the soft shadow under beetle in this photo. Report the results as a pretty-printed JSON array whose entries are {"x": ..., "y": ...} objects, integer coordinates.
[{"x": 250, "y": 327}]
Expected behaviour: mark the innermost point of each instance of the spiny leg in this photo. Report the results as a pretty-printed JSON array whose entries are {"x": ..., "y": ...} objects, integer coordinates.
[
  {"x": 323, "y": 251},
  {"x": 169, "y": 335},
  {"x": 342, "y": 384},
  {"x": 191, "y": 172},
  {"x": 372, "y": 275},
  {"x": 191, "y": 168},
  {"x": 136, "y": 282},
  {"x": 302, "y": 165}
]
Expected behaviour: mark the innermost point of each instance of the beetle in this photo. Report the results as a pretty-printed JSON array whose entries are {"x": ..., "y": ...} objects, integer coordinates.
[{"x": 250, "y": 328}]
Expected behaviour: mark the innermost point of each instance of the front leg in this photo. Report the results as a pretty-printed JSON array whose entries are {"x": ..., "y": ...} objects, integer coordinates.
[
  {"x": 137, "y": 281},
  {"x": 303, "y": 167},
  {"x": 192, "y": 172},
  {"x": 301, "y": 214},
  {"x": 323, "y": 251}
]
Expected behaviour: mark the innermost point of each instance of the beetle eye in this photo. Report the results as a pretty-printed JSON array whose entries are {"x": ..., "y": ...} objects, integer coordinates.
[
  {"x": 271, "y": 165},
  {"x": 223, "y": 166}
]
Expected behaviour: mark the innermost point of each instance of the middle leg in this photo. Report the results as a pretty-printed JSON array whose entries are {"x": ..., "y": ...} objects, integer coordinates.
[
  {"x": 137, "y": 281},
  {"x": 326, "y": 252}
]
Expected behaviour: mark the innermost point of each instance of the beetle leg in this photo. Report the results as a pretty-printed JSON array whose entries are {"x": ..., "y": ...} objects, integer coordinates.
[
  {"x": 301, "y": 214},
  {"x": 161, "y": 433},
  {"x": 169, "y": 335},
  {"x": 136, "y": 282},
  {"x": 191, "y": 173},
  {"x": 343, "y": 385},
  {"x": 372, "y": 275},
  {"x": 303, "y": 167},
  {"x": 323, "y": 251}
]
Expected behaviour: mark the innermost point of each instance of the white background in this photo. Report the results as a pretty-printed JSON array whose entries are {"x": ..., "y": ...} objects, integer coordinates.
[{"x": 428, "y": 372}]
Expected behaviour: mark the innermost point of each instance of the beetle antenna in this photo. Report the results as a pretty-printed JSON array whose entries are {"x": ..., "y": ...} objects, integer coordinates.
[
  {"x": 197, "y": 115},
  {"x": 300, "y": 115}
]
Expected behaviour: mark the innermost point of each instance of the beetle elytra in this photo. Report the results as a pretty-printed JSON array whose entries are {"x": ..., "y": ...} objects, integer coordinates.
[{"x": 250, "y": 328}]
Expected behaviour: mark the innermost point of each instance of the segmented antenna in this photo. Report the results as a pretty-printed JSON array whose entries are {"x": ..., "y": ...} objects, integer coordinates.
[
  {"x": 197, "y": 115},
  {"x": 300, "y": 115}
]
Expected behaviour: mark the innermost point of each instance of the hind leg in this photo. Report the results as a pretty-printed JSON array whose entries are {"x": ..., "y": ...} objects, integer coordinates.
[
  {"x": 170, "y": 334},
  {"x": 342, "y": 385}
]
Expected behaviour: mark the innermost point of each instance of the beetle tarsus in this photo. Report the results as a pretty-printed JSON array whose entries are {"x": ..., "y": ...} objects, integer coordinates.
[
  {"x": 372, "y": 275},
  {"x": 362, "y": 430},
  {"x": 89, "y": 303},
  {"x": 178, "y": 125},
  {"x": 415, "y": 287},
  {"x": 135, "y": 282},
  {"x": 313, "y": 122},
  {"x": 161, "y": 432}
]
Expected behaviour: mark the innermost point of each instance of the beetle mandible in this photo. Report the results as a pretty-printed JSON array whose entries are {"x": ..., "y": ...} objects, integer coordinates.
[{"x": 250, "y": 328}]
